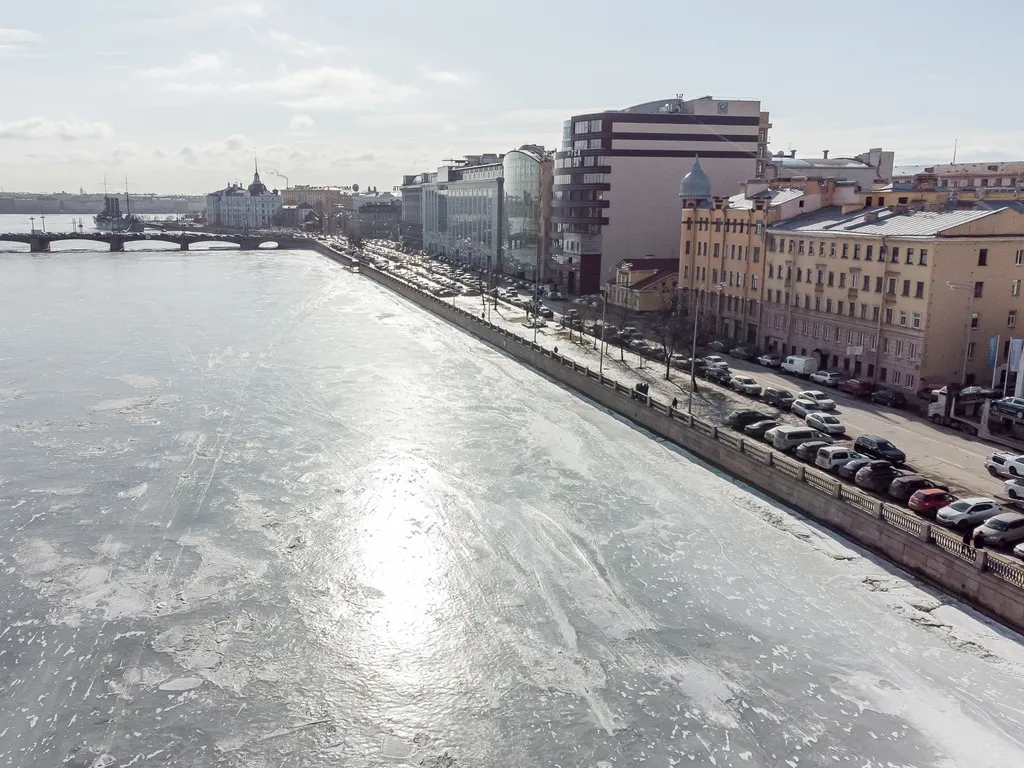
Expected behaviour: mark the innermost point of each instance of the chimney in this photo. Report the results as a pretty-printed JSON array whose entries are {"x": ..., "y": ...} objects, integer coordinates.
[
  {"x": 792, "y": 153},
  {"x": 824, "y": 154}
]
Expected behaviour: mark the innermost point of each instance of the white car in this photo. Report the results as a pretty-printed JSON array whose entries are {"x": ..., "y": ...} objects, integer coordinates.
[
  {"x": 824, "y": 422},
  {"x": 967, "y": 513},
  {"x": 771, "y": 361},
  {"x": 1003, "y": 464},
  {"x": 1014, "y": 489},
  {"x": 826, "y": 378},
  {"x": 803, "y": 408},
  {"x": 835, "y": 456},
  {"x": 746, "y": 385},
  {"x": 1007, "y": 528},
  {"x": 824, "y": 402},
  {"x": 715, "y": 361}
]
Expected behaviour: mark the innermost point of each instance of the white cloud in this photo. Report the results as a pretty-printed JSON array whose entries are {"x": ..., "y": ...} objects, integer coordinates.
[
  {"x": 439, "y": 76},
  {"x": 41, "y": 128},
  {"x": 306, "y": 49},
  {"x": 330, "y": 88},
  {"x": 194, "y": 63},
  {"x": 302, "y": 124},
  {"x": 18, "y": 36}
]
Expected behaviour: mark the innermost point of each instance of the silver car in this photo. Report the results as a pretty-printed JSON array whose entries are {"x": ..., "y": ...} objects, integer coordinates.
[
  {"x": 1007, "y": 528},
  {"x": 825, "y": 403},
  {"x": 746, "y": 385},
  {"x": 967, "y": 513},
  {"x": 825, "y": 422},
  {"x": 803, "y": 407}
]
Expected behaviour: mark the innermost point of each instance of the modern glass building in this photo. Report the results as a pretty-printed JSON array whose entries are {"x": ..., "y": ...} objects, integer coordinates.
[{"x": 489, "y": 211}]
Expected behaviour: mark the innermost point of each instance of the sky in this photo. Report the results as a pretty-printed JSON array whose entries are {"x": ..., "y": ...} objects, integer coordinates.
[{"x": 179, "y": 96}]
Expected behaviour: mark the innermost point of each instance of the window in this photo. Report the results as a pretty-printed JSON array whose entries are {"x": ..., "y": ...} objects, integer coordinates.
[
  {"x": 842, "y": 279},
  {"x": 910, "y": 255},
  {"x": 739, "y": 253},
  {"x": 867, "y": 283},
  {"x": 919, "y": 294},
  {"x": 716, "y": 250},
  {"x": 846, "y": 250},
  {"x": 896, "y": 375},
  {"x": 982, "y": 257},
  {"x": 828, "y": 305},
  {"x": 896, "y": 254},
  {"x": 817, "y": 303},
  {"x": 791, "y": 246},
  {"x": 970, "y": 351},
  {"x": 923, "y": 258},
  {"x": 686, "y": 271},
  {"x": 885, "y": 345},
  {"x": 856, "y": 251},
  {"x": 903, "y": 317},
  {"x": 910, "y": 381},
  {"x": 714, "y": 275},
  {"x": 892, "y": 286},
  {"x": 906, "y": 287},
  {"x": 1011, "y": 319},
  {"x": 831, "y": 249},
  {"x": 799, "y": 275},
  {"x": 687, "y": 249},
  {"x": 878, "y": 285},
  {"x": 831, "y": 278},
  {"x": 771, "y": 270},
  {"x": 821, "y": 249},
  {"x": 863, "y": 311},
  {"x": 1020, "y": 258},
  {"x": 979, "y": 288},
  {"x": 753, "y": 281},
  {"x": 888, "y": 315},
  {"x": 852, "y": 308},
  {"x": 821, "y": 276},
  {"x": 800, "y": 249},
  {"x": 757, "y": 254},
  {"x": 807, "y": 301},
  {"x": 776, "y": 322},
  {"x": 915, "y": 321},
  {"x": 882, "y": 372},
  {"x": 1015, "y": 288},
  {"x": 899, "y": 348},
  {"x": 839, "y": 308},
  {"x": 974, "y": 320}
]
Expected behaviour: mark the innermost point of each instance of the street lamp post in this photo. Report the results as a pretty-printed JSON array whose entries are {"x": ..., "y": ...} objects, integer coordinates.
[
  {"x": 604, "y": 310},
  {"x": 970, "y": 319},
  {"x": 693, "y": 350}
]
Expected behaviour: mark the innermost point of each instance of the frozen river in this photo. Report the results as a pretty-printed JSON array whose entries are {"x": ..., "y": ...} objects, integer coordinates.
[{"x": 256, "y": 511}]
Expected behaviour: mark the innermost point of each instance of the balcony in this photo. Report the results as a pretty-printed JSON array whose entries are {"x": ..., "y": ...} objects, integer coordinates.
[
  {"x": 819, "y": 287},
  {"x": 890, "y": 297},
  {"x": 852, "y": 294}
]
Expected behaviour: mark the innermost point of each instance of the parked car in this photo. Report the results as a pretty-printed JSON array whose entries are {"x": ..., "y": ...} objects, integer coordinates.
[
  {"x": 785, "y": 439},
  {"x": 902, "y": 488},
  {"x": 718, "y": 346},
  {"x": 802, "y": 408},
  {"x": 967, "y": 513},
  {"x": 855, "y": 387},
  {"x": 714, "y": 361},
  {"x": 758, "y": 428},
  {"x": 700, "y": 368},
  {"x": 809, "y": 451},
  {"x": 770, "y": 361},
  {"x": 780, "y": 398},
  {"x": 1011, "y": 406},
  {"x": 1014, "y": 489},
  {"x": 824, "y": 402},
  {"x": 835, "y": 456},
  {"x": 545, "y": 312},
  {"x": 876, "y": 476},
  {"x": 1003, "y": 464},
  {"x": 769, "y": 434},
  {"x": 849, "y": 470},
  {"x": 739, "y": 419},
  {"x": 799, "y": 366},
  {"x": 741, "y": 354},
  {"x": 824, "y": 422},
  {"x": 890, "y": 398},
  {"x": 998, "y": 531},
  {"x": 746, "y": 385},
  {"x": 719, "y": 375},
  {"x": 928, "y": 501},
  {"x": 879, "y": 448},
  {"x": 825, "y": 378}
]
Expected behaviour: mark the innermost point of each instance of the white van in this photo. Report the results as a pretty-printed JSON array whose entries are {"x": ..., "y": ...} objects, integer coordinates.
[
  {"x": 835, "y": 456},
  {"x": 788, "y": 438},
  {"x": 800, "y": 366}
]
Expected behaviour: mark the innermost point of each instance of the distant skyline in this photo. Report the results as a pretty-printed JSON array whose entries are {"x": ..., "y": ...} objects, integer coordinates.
[{"x": 180, "y": 96}]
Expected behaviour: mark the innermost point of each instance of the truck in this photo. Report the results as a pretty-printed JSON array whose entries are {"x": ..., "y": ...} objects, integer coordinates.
[
  {"x": 970, "y": 412},
  {"x": 800, "y": 366}
]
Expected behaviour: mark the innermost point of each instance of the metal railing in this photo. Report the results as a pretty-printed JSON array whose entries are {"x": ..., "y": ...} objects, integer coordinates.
[
  {"x": 1007, "y": 570},
  {"x": 857, "y": 499},
  {"x": 787, "y": 466},
  {"x": 821, "y": 482},
  {"x": 953, "y": 544},
  {"x": 896, "y": 516}
]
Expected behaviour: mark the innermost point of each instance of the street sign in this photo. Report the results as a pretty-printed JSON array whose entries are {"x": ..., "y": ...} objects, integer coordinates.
[{"x": 854, "y": 351}]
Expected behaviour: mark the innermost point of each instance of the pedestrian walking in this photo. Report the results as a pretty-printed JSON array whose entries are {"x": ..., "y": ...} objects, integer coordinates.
[
  {"x": 967, "y": 537},
  {"x": 979, "y": 540}
]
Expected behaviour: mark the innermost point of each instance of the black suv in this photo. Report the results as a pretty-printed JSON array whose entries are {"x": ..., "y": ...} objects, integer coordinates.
[
  {"x": 879, "y": 448},
  {"x": 890, "y": 398},
  {"x": 740, "y": 419}
]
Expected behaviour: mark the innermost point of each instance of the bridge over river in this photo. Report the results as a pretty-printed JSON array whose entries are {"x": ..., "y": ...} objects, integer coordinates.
[{"x": 39, "y": 242}]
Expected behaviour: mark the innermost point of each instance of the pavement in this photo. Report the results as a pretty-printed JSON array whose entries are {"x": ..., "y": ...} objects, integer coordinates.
[{"x": 943, "y": 455}]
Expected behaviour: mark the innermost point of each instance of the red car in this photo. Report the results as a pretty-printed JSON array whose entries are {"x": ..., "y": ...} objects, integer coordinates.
[
  {"x": 928, "y": 501},
  {"x": 856, "y": 387}
]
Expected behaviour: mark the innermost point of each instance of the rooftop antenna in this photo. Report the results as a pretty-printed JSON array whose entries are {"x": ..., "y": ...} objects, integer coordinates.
[{"x": 955, "y": 142}]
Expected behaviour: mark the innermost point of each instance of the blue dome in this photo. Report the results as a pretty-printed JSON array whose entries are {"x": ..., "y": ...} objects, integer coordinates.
[{"x": 695, "y": 185}]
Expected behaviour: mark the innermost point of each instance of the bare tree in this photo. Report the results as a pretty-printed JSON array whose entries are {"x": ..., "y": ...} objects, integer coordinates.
[
  {"x": 671, "y": 326},
  {"x": 623, "y": 316}
]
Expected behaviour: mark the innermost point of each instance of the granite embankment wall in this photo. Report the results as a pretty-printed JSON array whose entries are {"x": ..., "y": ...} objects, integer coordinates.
[{"x": 989, "y": 582}]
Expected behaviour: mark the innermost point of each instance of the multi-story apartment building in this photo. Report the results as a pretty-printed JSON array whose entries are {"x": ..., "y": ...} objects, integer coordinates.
[
  {"x": 241, "y": 207},
  {"x": 324, "y": 200},
  {"x": 488, "y": 210},
  {"x": 617, "y": 175},
  {"x": 905, "y": 295},
  {"x": 1004, "y": 176},
  {"x": 722, "y": 244}
]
